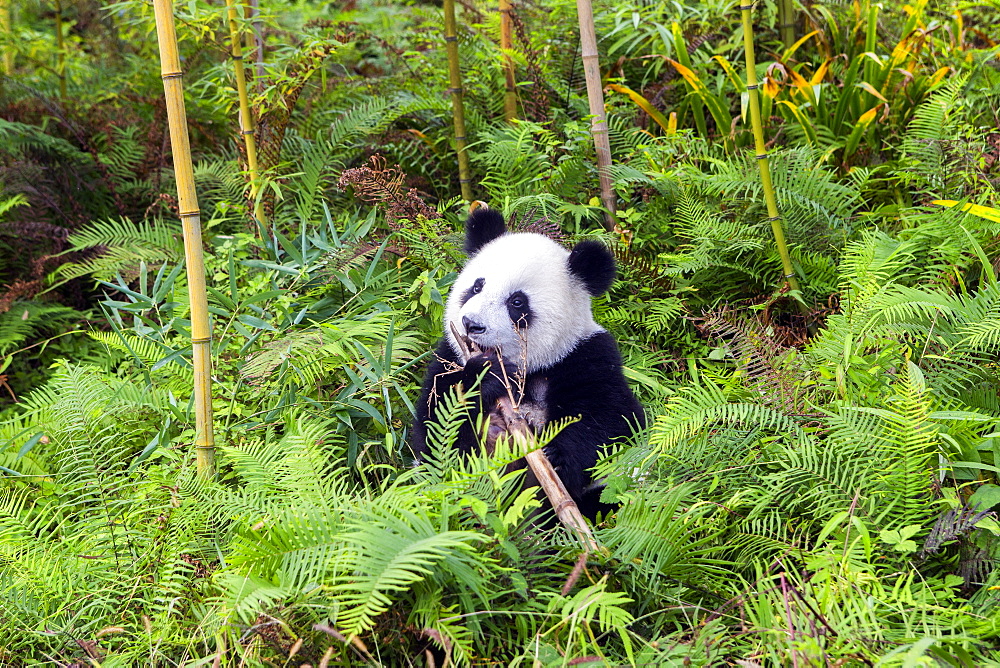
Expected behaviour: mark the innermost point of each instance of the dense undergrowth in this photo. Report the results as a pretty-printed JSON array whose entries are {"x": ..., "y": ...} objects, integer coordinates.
[{"x": 818, "y": 483}]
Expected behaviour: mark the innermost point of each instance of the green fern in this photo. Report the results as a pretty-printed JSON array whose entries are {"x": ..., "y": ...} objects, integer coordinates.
[
  {"x": 24, "y": 320},
  {"x": 125, "y": 245}
]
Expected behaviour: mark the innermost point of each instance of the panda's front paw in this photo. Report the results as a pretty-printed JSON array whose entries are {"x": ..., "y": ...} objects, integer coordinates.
[{"x": 487, "y": 366}]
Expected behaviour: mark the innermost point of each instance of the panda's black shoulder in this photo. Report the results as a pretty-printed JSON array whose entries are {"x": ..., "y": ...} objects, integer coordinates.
[
  {"x": 590, "y": 382},
  {"x": 593, "y": 369},
  {"x": 599, "y": 349}
]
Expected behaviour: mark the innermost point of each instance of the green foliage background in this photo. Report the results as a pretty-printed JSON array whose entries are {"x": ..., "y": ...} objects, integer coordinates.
[{"x": 818, "y": 483}]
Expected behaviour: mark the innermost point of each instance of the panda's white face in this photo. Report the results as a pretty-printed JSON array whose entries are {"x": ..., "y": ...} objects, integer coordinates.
[{"x": 518, "y": 297}]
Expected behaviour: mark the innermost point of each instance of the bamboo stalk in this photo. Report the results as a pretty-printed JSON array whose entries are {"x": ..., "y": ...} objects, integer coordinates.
[
  {"x": 595, "y": 96},
  {"x": 254, "y": 41},
  {"x": 247, "y": 129},
  {"x": 60, "y": 51},
  {"x": 761, "y": 152},
  {"x": 201, "y": 333},
  {"x": 510, "y": 87},
  {"x": 871, "y": 33},
  {"x": 786, "y": 22},
  {"x": 562, "y": 503},
  {"x": 457, "y": 106},
  {"x": 7, "y": 26}
]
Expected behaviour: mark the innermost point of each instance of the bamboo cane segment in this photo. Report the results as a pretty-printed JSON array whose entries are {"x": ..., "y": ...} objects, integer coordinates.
[
  {"x": 7, "y": 26},
  {"x": 60, "y": 50},
  {"x": 201, "y": 334},
  {"x": 247, "y": 129},
  {"x": 595, "y": 96},
  {"x": 761, "y": 152},
  {"x": 457, "y": 105},
  {"x": 786, "y": 22},
  {"x": 510, "y": 87},
  {"x": 254, "y": 41},
  {"x": 562, "y": 503}
]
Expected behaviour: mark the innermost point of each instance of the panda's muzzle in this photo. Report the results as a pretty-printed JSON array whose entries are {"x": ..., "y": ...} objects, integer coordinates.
[{"x": 472, "y": 327}]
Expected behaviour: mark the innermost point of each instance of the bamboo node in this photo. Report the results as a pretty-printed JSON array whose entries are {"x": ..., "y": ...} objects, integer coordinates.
[
  {"x": 753, "y": 87},
  {"x": 452, "y": 91},
  {"x": 235, "y": 57},
  {"x": 247, "y": 132},
  {"x": 201, "y": 339},
  {"x": 773, "y": 218},
  {"x": 761, "y": 156},
  {"x": 451, "y": 38},
  {"x": 746, "y": 7},
  {"x": 190, "y": 214},
  {"x": 791, "y": 275},
  {"x": 171, "y": 75},
  {"x": 563, "y": 505}
]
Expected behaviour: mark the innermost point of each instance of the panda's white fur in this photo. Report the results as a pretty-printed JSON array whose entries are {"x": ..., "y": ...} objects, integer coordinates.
[{"x": 559, "y": 301}]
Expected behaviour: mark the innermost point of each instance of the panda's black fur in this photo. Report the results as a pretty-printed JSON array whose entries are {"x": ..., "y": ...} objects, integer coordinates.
[{"x": 575, "y": 371}]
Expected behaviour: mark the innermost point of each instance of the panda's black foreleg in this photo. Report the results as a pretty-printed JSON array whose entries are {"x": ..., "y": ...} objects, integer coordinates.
[
  {"x": 572, "y": 454},
  {"x": 481, "y": 374}
]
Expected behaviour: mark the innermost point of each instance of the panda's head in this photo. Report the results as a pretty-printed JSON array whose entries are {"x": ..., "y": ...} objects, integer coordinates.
[{"x": 523, "y": 295}]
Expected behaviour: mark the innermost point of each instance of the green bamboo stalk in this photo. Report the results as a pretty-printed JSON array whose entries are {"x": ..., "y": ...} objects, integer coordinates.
[
  {"x": 871, "y": 33},
  {"x": 595, "y": 96},
  {"x": 762, "y": 161},
  {"x": 247, "y": 129},
  {"x": 201, "y": 333},
  {"x": 60, "y": 51},
  {"x": 7, "y": 27},
  {"x": 457, "y": 106},
  {"x": 254, "y": 41},
  {"x": 786, "y": 22},
  {"x": 510, "y": 87}
]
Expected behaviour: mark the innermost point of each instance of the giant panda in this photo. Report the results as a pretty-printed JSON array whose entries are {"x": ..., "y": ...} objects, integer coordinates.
[{"x": 525, "y": 298}]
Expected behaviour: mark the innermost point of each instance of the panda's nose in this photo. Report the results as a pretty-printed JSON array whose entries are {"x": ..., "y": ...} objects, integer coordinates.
[{"x": 471, "y": 326}]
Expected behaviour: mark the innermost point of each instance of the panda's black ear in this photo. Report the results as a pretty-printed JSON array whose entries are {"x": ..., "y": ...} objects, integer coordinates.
[
  {"x": 593, "y": 263},
  {"x": 483, "y": 226}
]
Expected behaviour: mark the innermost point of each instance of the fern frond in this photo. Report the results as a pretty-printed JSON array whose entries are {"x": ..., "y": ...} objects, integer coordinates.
[
  {"x": 390, "y": 552},
  {"x": 697, "y": 409},
  {"x": 25, "y": 319},
  {"x": 662, "y": 534},
  {"x": 126, "y": 244}
]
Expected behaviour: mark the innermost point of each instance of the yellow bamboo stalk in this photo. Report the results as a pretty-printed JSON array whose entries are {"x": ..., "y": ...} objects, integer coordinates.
[
  {"x": 595, "y": 96},
  {"x": 510, "y": 87},
  {"x": 201, "y": 333},
  {"x": 457, "y": 106},
  {"x": 254, "y": 41},
  {"x": 60, "y": 51},
  {"x": 246, "y": 116},
  {"x": 7, "y": 26},
  {"x": 761, "y": 151}
]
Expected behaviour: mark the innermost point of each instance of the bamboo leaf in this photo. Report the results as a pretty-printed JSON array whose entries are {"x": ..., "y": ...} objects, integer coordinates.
[
  {"x": 256, "y": 323},
  {"x": 790, "y": 51},
  {"x": 859, "y": 130},
  {"x": 645, "y": 105},
  {"x": 987, "y": 212}
]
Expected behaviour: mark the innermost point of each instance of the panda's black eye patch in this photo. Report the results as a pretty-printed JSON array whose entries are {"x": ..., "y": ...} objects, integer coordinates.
[
  {"x": 519, "y": 309},
  {"x": 476, "y": 288}
]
